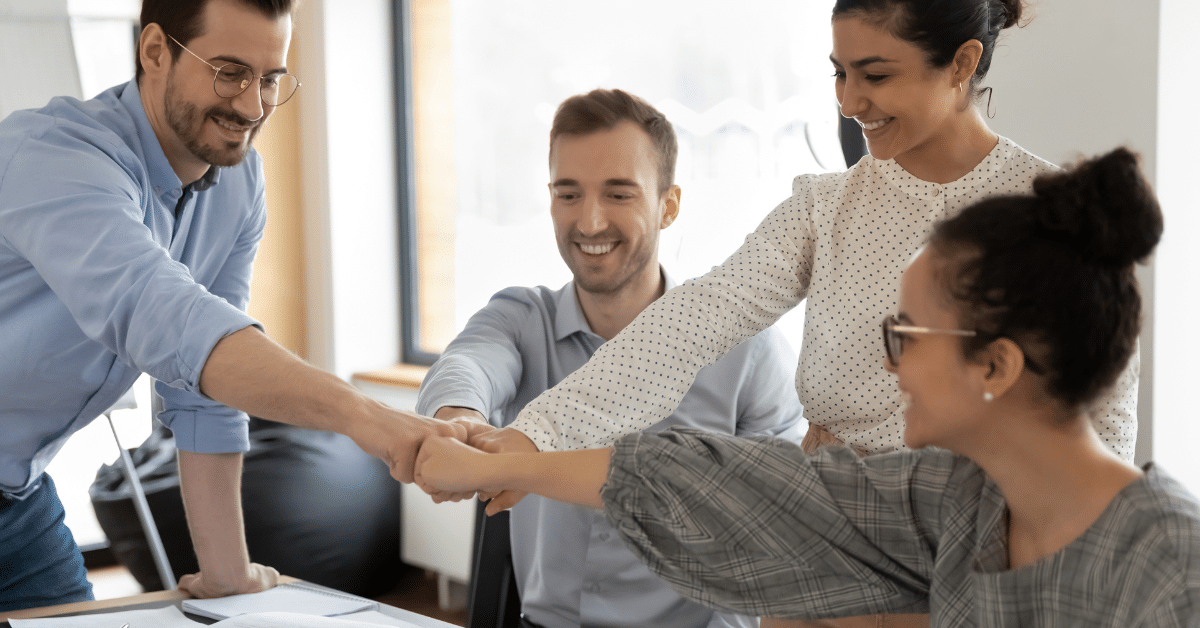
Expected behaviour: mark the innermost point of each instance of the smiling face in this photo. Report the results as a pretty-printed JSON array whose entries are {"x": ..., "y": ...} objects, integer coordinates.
[
  {"x": 606, "y": 208},
  {"x": 196, "y": 127},
  {"x": 904, "y": 106},
  {"x": 943, "y": 391}
]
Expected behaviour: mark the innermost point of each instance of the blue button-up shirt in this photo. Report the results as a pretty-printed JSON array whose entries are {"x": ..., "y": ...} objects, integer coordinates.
[
  {"x": 572, "y": 567},
  {"x": 110, "y": 267}
]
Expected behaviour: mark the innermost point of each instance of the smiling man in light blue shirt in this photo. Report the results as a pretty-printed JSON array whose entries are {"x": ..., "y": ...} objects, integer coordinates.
[
  {"x": 128, "y": 226},
  {"x": 612, "y": 163}
]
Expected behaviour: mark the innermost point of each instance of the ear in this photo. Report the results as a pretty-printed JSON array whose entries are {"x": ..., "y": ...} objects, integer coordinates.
[
  {"x": 966, "y": 60},
  {"x": 1006, "y": 362},
  {"x": 153, "y": 50},
  {"x": 670, "y": 201}
]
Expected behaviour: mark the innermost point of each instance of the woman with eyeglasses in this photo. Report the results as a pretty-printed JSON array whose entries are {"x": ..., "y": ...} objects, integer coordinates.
[{"x": 1009, "y": 510}]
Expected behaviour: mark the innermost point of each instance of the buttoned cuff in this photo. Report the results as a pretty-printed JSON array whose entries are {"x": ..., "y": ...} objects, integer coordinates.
[{"x": 208, "y": 433}]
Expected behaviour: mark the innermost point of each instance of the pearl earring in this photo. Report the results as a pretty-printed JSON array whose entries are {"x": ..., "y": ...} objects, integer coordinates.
[{"x": 988, "y": 397}]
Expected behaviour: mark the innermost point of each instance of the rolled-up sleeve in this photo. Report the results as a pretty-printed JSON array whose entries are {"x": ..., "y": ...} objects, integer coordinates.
[{"x": 754, "y": 526}]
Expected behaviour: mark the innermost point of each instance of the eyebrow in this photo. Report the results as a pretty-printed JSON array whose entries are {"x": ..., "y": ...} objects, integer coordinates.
[
  {"x": 607, "y": 182},
  {"x": 229, "y": 59},
  {"x": 859, "y": 64}
]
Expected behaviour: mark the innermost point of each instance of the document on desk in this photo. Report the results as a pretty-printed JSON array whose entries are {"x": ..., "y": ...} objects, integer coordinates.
[
  {"x": 294, "y": 597},
  {"x": 167, "y": 617},
  {"x": 369, "y": 619}
]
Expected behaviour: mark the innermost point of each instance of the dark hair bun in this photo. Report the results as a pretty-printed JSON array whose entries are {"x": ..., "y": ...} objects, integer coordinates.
[
  {"x": 1010, "y": 12},
  {"x": 1104, "y": 208}
]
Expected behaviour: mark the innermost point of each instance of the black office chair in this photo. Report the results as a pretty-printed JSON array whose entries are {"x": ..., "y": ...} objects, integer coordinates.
[{"x": 493, "y": 600}]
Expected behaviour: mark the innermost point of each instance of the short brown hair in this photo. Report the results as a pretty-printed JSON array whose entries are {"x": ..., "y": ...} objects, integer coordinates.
[
  {"x": 602, "y": 109},
  {"x": 183, "y": 20}
]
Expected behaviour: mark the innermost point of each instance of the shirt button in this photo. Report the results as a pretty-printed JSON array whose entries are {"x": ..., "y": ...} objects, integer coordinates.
[
  {"x": 603, "y": 536},
  {"x": 937, "y": 191}
]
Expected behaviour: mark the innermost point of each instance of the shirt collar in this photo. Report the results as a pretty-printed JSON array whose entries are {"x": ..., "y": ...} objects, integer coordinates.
[
  {"x": 162, "y": 175},
  {"x": 986, "y": 170},
  {"x": 569, "y": 318}
]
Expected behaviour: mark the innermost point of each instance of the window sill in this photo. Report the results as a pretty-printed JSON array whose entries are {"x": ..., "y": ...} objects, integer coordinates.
[{"x": 399, "y": 376}]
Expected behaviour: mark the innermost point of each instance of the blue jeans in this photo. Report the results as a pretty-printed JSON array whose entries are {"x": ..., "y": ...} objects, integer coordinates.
[{"x": 40, "y": 564}]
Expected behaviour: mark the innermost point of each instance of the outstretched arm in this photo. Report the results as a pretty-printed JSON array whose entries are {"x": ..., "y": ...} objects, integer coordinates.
[
  {"x": 574, "y": 477},
  {"x": 250, "y": 372}
]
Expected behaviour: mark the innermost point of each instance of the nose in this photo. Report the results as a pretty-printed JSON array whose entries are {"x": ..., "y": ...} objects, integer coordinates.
[
  {"x": 593, "y": 219},
  {"x": 851, "y": 98},
  {"x": 249, "y": 103}
]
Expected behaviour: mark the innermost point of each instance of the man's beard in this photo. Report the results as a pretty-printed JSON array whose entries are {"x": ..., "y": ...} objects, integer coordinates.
[{"x": 188, "y": 124}]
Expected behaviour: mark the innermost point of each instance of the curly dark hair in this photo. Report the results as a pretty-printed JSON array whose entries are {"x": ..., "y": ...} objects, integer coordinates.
[{"x": 1054, "y": 271}]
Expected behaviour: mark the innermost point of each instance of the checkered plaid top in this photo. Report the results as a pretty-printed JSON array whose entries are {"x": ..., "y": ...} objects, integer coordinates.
[{"x": 756, "y": 527}]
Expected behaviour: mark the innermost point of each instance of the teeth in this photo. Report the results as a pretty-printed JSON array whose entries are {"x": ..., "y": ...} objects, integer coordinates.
[
  {"x": 229, "y": 126},
  {"x": 871, "y": 126},
  {"x": 597, "y": 249}
]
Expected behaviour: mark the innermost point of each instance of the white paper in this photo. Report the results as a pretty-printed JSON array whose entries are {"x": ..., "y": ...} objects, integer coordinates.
[
  {"x": 368, "y": 619},
  {"x": 292, "y": 597},
  {"x": 166, "y": 617}
]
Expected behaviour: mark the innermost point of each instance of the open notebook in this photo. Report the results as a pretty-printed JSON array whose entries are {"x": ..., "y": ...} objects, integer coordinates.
[{"x": 294, "y": 597}]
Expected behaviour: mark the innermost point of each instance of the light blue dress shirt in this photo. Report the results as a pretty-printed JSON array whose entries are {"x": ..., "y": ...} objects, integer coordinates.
[
  {"x": 572, "y": 568},
  {"x": 101, "y": 279}
]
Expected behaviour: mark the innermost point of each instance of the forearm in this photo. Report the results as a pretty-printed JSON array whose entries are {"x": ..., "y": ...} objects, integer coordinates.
[
  {"x": 249, "y": 371},
  {"x": 212, "y": 499},
  {"x": 573, "y": 477}
]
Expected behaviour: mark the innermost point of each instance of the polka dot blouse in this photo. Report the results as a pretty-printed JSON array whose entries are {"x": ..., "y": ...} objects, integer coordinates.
[{"x": 841, "y": 241}]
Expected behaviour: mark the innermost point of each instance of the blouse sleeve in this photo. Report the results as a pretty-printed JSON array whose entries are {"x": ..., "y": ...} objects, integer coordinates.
[
  {"x": 1115, "y": 416},
  {"x": 639, "y": 377},
  {"x": 754, "y": 526}
]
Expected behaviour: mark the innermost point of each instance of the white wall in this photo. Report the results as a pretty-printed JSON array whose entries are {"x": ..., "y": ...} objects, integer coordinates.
[
  {"x": 1177, "y": 284},
  {"x": 1080, "y": 79}
]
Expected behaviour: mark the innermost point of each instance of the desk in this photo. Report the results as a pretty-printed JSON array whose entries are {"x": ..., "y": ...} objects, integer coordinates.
[{"x": 159, "y": 599}]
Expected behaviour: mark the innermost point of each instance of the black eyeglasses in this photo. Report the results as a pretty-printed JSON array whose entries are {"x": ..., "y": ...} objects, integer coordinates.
[
  {"x": 232, "y": 79},
  {"x": 894, "y": 334}
]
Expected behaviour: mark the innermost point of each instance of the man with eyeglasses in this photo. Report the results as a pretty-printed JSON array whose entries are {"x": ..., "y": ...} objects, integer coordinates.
[{"x": 128, "y": 227}]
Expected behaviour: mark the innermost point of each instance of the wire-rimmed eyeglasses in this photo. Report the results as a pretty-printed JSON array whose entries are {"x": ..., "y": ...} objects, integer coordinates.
[
  {"x": 231, "y": 79},
  {"x": 893, "y": 336}
]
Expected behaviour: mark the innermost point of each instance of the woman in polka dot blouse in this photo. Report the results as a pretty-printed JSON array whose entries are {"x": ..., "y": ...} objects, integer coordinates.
[{"x": 909, "y": 71}]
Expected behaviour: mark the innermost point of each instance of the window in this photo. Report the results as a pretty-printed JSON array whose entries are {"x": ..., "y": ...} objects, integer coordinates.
[{"x": 748, "y": 91}]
